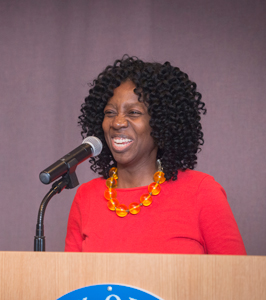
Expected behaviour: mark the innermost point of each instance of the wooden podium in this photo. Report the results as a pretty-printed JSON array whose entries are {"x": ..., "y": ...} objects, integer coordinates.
[{"x": 49, "y": 275}]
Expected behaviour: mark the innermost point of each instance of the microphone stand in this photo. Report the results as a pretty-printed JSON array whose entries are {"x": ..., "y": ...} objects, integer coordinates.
[{"x": 68, "y": 181}]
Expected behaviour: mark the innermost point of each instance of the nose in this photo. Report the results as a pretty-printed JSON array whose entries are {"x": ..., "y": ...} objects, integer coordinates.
[{"x": 119, "y": 121}]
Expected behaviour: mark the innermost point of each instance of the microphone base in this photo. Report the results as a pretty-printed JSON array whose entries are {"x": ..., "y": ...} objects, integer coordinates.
[{"x": 39, "y": 243}]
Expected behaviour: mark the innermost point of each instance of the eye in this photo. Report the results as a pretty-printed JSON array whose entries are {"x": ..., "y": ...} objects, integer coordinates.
[
  {"x": 109, "y": 113},
  {"x": 134, "y": 112}
]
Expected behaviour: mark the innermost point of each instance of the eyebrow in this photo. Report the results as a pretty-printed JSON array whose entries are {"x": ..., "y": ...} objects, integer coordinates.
[{"x": 140, "y": 104}]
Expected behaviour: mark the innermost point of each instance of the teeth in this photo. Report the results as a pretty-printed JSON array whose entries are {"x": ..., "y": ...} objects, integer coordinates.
[{"x": 121, "y": 140}]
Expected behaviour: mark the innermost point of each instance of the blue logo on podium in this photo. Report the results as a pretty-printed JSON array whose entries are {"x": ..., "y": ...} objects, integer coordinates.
[{"x": 109, "y": 292}]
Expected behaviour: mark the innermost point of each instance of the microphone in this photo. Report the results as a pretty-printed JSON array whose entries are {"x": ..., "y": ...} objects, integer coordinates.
[{"x": 91, "y": 146}]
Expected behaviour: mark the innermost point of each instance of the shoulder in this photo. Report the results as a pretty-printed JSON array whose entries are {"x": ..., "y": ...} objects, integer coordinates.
[
  {"x": 90, "y": 187},
  {"x": 195, "y": 178},
  {"x": 192, "y": 175},
  {"x": 96, "y": 182},
  {"x": 88, "y": 191},
  {"x": 205, "y": 187},
  {"x": 196, "y": 183}
]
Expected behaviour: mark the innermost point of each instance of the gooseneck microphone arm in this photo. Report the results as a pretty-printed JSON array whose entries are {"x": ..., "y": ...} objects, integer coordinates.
[
  {"x": 68, "y": 181},
  {"x": 65, "y": 167},
  {"x": 39, "y": 239}
]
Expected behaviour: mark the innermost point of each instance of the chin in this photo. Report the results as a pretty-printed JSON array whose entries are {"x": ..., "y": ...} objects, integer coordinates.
[{"x": 122, "y": 160}]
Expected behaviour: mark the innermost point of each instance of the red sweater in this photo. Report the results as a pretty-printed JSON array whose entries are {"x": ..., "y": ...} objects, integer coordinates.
[{"x": 191, "y": 215}]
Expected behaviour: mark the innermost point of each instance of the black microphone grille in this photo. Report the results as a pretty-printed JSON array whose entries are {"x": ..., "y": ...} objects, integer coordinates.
[{"x": 95, "y": 143}]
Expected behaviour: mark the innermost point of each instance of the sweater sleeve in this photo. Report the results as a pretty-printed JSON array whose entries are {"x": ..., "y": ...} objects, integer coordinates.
[
  {"x": 73, "y": 241},
  {"x": 217, "y": 223}
]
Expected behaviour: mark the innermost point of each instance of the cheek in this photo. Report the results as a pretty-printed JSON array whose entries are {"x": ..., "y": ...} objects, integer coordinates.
[
  {"x": 144, "y": 133},
  {"x": 147, "y": 130},
  {"x": 105, "y": 126}
]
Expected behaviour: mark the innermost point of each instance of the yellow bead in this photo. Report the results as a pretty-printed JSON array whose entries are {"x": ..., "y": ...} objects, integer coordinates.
[
  {"x": 146, "y": 199},
  {"x": 113, "y": 172},
  {"x": 154, "y": 188},
  {"x": 134, "y": 208},
  {"x": 159, "y": 177},
  {"x": 110, "y": 194},
  {"x": 112, "y": 204},
  {"x": 111, "y": 182},
  {"x": 121, "y": 210}
]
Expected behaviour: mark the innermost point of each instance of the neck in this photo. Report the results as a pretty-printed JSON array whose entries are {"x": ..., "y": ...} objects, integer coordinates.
[{"x": 136, "y": 176}]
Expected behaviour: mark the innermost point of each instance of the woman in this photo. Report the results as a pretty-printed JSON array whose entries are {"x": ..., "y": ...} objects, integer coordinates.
[{"x": 147, "y": 116}]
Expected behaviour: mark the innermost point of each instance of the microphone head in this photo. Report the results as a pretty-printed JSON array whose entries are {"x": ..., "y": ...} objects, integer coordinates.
[{"x": 95, "y": 143}]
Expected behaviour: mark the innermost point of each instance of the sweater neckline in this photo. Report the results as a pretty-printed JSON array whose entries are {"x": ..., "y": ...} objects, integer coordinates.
[{"x": 132, "y": 189}]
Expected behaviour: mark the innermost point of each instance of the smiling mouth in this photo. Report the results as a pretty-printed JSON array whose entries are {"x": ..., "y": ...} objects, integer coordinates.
[{"x": 120, "y": 144}]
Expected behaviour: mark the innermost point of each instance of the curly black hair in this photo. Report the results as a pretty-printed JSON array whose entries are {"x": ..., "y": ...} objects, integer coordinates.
[{"x": 173, "y": 104}]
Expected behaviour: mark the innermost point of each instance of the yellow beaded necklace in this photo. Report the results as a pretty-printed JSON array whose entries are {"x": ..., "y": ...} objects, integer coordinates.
[{"x": 122, "y": 210}]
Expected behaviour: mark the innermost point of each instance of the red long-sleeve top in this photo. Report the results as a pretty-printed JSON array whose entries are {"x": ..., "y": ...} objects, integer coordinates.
[{"x": 190, "y": 215}]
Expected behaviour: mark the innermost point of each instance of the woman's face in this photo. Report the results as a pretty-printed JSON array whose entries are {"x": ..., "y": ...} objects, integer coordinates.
[{"x": 126, "y": 128}]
